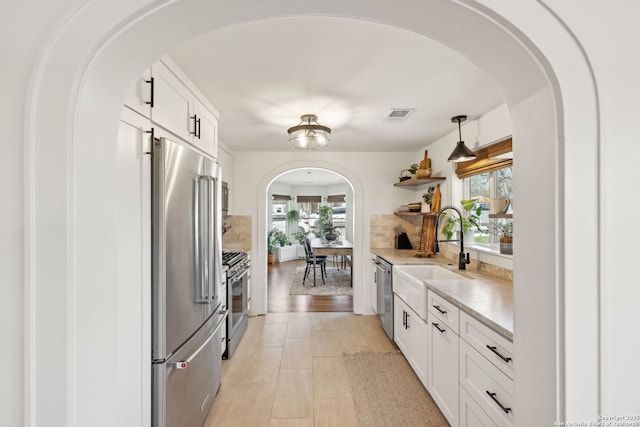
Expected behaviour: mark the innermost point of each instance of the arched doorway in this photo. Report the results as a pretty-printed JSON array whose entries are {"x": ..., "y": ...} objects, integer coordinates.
[
  {"x": 264, "y": 204},
  {"x": 302, "y": 186},
  {"x": 83, "y": 141}
]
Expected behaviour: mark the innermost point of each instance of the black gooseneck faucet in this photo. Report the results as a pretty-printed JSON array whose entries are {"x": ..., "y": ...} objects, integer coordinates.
[{"x": 463, "y": 259}]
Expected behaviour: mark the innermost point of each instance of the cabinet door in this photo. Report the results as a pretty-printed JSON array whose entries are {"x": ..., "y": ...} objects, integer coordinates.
[
  {"x": 442, "y": 376},
  {"x": 206, "y": 132},
  {"x": 139, "y": 99},
  {"x": 400, "y": 332},
  {"x": 410, "y": 334},
  {"x": 419, "y": 351},
  {"x": 173, "y": 103}
]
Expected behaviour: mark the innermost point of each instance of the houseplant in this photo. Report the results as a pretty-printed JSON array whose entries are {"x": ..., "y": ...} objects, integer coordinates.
[
  {"x": 275, "y": 239},
  {"x": 427, "y": 198},
  {"x": 470, "y": 220},
  {"x": 324, "y": 225},
  {"x": 505, "y": 234},
  {"x": 300, "y": 235},
  {"x": 293, "y": 215}
]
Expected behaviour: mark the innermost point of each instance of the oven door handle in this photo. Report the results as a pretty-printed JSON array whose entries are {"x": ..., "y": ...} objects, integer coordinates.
[{"x": 236, "y": 277}]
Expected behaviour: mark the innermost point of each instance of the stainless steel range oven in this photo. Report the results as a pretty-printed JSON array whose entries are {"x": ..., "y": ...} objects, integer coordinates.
[{"x": 237, "y": 297}]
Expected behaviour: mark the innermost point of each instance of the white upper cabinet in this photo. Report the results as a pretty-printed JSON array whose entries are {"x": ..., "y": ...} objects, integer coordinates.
[
  {"x": 175, "y": 106},
  {"x": 139, "y": 98},
  {"x": 205, "y": 134},
  {"x": 172, "y": 103}
]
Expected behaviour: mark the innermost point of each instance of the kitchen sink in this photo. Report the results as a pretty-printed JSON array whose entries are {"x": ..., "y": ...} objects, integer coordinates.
[{"x": 408, "y": 283}]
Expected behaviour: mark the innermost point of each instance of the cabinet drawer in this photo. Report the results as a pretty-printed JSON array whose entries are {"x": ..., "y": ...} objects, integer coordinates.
[
  {"x": 444, "y": 310},
  {"x": 497, "y": 349},
  {"x": 489, "y": 387},
  {"x": 471, "y": 414}
]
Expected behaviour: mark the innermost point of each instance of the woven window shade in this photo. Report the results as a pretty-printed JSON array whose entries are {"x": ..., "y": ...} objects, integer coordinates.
[
  {"x": 280, "y": 197},
  {"x": 486, "y": 161},
  {"x": 338, "y": 198},
  {"x": 309, "y": 199}
]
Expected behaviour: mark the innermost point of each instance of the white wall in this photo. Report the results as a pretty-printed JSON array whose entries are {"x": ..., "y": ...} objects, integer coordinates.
[{"x": 57, "y": 111}]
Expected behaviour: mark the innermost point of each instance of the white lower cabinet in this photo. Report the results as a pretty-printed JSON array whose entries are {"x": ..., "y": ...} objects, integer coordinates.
[
  {"x": 410, "y": 334},
  {"x": 466, "y": 366},
  {"x": 471, "y": 414},
  {"x": 442, "y": 373},
  {"x": 487, "y": 385}
]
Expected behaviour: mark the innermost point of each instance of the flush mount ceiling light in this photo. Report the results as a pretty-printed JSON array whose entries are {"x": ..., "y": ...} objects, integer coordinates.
[
  {"x": 309, "y": 134},
  {"x": 461, "y": 153}
]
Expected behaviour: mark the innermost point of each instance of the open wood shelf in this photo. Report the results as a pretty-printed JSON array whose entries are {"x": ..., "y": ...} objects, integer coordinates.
[
  {"x": 413, "y": 182},
  {"x": 413, "y": 214},
  {"x": 501, "y": 215}
]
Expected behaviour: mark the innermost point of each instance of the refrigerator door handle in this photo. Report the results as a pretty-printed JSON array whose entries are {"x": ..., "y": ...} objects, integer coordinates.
[
  {"x": 202, "y": 222},
  {"x": 184, "y": 364},
  {"x": 215, "y": 224}
]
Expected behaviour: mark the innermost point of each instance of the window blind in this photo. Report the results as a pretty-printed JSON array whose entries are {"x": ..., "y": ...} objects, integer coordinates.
[
  {"x": 309, "y": 199},
  {"x": 486, "y": 161},
  {"x": 338, "y": 198},
  {"x": 280, "y": 197}
]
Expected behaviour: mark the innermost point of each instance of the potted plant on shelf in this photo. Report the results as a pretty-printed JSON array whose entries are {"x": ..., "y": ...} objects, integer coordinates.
[
  {"x": 505, "y": 233},
  {"x": 427, "y": 198},
  {"x": 470, "y": 222},
  {"x": 413, "y": 169}
]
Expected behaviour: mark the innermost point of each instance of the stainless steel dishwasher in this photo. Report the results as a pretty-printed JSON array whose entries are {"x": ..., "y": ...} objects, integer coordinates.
[{"x": 385, "y": 295}]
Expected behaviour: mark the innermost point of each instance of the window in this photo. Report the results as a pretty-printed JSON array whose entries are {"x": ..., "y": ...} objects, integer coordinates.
[
  {"x": 338, "y": 205},
  {"x": 484, "y": 188},
  {"x": 485, "y": 179},
  {"x": 279, "y": 204}
]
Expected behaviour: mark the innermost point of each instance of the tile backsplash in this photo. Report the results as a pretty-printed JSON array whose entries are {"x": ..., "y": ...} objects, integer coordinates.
[
  {"x": 238, "y": 234},
  {"x": 383, "y": 236}
]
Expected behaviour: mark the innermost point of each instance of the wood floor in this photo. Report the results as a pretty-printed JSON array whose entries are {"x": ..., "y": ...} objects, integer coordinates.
[
  {"x": 289, "y": 371},
  {"x": 279, "y": 279}
]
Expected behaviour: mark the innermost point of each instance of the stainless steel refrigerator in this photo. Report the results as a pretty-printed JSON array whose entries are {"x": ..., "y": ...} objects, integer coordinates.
[{"x": 186, "y": 284}]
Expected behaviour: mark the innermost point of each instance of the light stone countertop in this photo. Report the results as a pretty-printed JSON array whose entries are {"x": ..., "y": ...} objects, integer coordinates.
[{"x": 485, "y": 298}]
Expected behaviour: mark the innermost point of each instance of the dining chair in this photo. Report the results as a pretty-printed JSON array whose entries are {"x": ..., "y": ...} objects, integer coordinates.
[{"x": 320, "y": 262}]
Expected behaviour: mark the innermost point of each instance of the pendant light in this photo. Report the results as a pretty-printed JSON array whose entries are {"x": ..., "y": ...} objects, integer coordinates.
[
  {"x": 461, "y": 153},
  {"x": 309, "y": 134}
]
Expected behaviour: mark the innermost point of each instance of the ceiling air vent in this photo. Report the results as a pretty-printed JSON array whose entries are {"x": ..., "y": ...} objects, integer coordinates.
[{"x": 398, "y": 115}]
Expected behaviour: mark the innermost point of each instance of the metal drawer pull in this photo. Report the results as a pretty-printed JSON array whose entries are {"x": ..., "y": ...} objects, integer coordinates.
[
  {"x": 437, "y": 307},
  {"x": 495, "y": 351},
  {"x": 438, "y": 328},
  {"x": 493, "y": 397}
]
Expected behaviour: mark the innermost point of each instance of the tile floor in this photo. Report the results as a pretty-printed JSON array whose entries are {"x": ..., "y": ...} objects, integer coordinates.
[{"x": 288, "y": 371}]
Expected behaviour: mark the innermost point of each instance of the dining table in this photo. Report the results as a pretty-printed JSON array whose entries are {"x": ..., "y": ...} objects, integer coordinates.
[{"x": 340, "y": 247}]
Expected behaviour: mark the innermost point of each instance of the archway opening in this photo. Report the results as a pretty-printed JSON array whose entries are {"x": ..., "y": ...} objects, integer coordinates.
[
  {"x": 84, "y": 141},
  {"x": 292, "y": 285}
]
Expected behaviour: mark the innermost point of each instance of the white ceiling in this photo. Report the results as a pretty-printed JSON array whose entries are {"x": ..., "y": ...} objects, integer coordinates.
[{"x": 263, "y": 76}]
